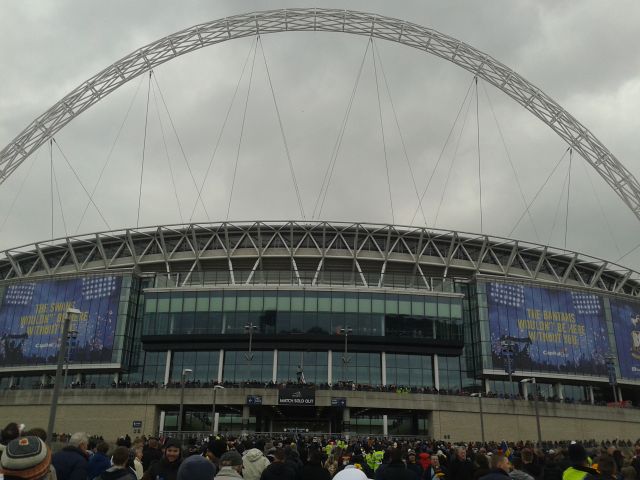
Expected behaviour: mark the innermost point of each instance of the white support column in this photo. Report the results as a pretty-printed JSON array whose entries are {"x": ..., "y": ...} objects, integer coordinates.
[
  {"x": 487, "y": 389},
  {"x": 220, "y": 365},
  {"x": 436, "y": 373},
  {"x": 620, "y": 394},
  {"x": 329, "y": 367},
  {"x": 274, "y": 373},
  {"x": 385, "y": 425},
  {"x": 383, "y": 358},
  {"x": 162, "y": 417},
  {"x": 592, "y": 398},
  {"x": 560, "y": 391},
  {"x": 167, "y": 368},
  {"x": 525, "y": 391}
]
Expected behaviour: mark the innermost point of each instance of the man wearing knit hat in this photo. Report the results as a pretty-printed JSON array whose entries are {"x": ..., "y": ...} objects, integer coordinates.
[
  {"x": 579, "y": 468},
  {"x": 196, "y": 467},
  {"x": 27, "y": 458},
  {"x": 230, "y": 465}
]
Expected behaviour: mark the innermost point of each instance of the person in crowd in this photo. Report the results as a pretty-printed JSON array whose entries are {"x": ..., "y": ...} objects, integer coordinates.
[
  {"x": 438, "y": 471},
  {"x": 331, "y": 465},
  {"x": 518, "y": 472},
  {"x": 607, "y": 469},
  {"x": 167, "y": 467},
  {"x": 119, "y": 470},
  {"x": 481, "y": 466},
  {"x": 27, "y": 458},
  {"x": 500, "y": 468},
  {"x": 530, "y": 463},
  {"x": 99, "y": 461},
  {"x": 424, "y": 460},
  {"x": 254, "y": 462},
  {"x": 279, "y": 469},
  {"x": 628, "y": 473},
  {"x": 461, "y": 468},
  {"x": 396, "y": 469},
  {"x": 8, "y": 433},
  {"x": 137, "y": 462},
  {"x": 579, "y": 460},
  {"x": 151, "y": 453},
  {"x": 37, "y": 432},
  {"x": 350, "y": 472},
  {"x": 196, "y": 467},
  {"x": 413, "y": 465},
  {"x": 230, "y": 466},
  {"x": 314, "y": 470},
  {"x": 71, "y": 462}
]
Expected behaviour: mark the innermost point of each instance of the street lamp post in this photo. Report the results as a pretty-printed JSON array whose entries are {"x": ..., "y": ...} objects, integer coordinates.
[
  {"x": 61, "y": 356},
  {"x": 71, "y": 335},
  {"x": 185, "y": 372},
  {"x": 508, "y": 347},
  {"x": 214, "y": 423},
  {"x": 611, "y": 370},
  {"x": 532, "y": 380},
  {"x": 479, "y": 395},
  {"x": 345, "y": 357}
]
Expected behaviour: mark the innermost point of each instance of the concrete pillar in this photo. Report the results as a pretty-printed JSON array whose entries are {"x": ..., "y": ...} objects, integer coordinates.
[
  {"x": 620, "y": 394},
  {"x": 167, "y": 368},
  {"x": 559, "y": 391},
  {"x": 591, "y": 396},
  {"x": 161, "y": 423},
  {"x": 525, "y": 390},
  {"x": 220, "y": 365},
  {"x": 274, "y": 373},
  {"x": 385, "y": 425},
  {"x": 487, "y": 389},
  {"x": 436, "y": 373},
  {"x": 383, "y": 358},
  {"x": 216, "y": 422},
  {"x": 329, "y": 367}
]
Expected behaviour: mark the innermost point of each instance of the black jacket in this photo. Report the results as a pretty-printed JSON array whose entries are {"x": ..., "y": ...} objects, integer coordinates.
[
  {"x": 398, "y": 471},
  {"x": 116, "y": 474},
  {"x": 278, "y": 471},
  {"x": 164, "y": 469},
  {"x": 149, "y": 456},
  {"x": 315, "y": 472},
  {"x": 461, "y": 469},
  {"x": 70, "y": 464},
  {"x": 496, "y": 474}
]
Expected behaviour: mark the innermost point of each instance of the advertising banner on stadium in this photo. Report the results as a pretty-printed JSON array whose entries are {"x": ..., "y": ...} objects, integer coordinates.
[
  {"x": 549, "y": 330},
  {"x": 302, "y": 396},
  {"x": 32, "y": 316},
  {"x": 626, "y": 326}
]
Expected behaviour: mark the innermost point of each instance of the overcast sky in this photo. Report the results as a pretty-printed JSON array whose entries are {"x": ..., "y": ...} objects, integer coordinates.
[{"x": 583, "y": 54}]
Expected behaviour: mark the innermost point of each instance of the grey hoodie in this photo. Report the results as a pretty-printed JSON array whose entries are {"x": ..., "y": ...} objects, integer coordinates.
[{"x": 254, "y": 462}]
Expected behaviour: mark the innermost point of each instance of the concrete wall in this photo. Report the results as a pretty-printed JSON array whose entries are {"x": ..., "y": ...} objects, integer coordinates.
[{"x": 110, "y": 412}]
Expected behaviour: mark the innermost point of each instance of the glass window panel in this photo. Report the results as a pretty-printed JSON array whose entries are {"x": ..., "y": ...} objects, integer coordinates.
[
  {"x": 257, "y": 301},
  {"x": 163, "y": 305},
  {"x": 444, "y": 308},
  {"x": 151, "y": 305},
  {"x": 297, "y": 301},
  {"x": 431, "y": 308},
  {"x": 391, "y": 304},
  {"x": 202, "y": 303},
  {"x": 189, "y": 304},
  {"x": 417, "y": 307},
  {"x": 176, "y": 303},
  {"x": 351, "y": 303},
  {"x": 456, "y": 309},
  {"x": 364, "y": 303},
  {"x": 310, "y": 302},
  {"x": 216, "y": 303},
  {"x": 404, "y": 306},
  {"x": 284, "y": 301},
  {"x": 377, "y": 304},
  {"x": 242, "y": 302},
  {"x": 270, "y": 301},
  {"x": 229, "y": 304}
]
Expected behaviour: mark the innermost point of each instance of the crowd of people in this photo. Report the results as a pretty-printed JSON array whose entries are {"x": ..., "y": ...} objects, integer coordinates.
[{"x": 25, "y": 455}]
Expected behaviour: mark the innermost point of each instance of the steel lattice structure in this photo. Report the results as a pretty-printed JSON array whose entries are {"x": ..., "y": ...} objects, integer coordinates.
[
  {"x": 378, "y": 256},
  {"x": 484, "y": 66}
]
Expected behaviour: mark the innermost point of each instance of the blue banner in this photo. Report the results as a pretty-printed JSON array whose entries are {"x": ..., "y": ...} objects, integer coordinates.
[
  {"x": 626, "y": 327},
  {"x": 546, "y": 330},
  {"x": 32, "y": 315}
]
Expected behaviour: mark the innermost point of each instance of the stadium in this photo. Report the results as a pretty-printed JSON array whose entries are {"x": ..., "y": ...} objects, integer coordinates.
[{"x": 324, "y": 327}]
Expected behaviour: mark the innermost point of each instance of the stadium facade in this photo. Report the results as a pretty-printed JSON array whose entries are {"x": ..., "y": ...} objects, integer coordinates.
[{"x": 330, "y": 327}]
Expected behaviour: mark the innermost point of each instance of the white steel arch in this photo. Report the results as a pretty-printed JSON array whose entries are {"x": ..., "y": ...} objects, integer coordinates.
[{"x": 310, "y": 19}]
